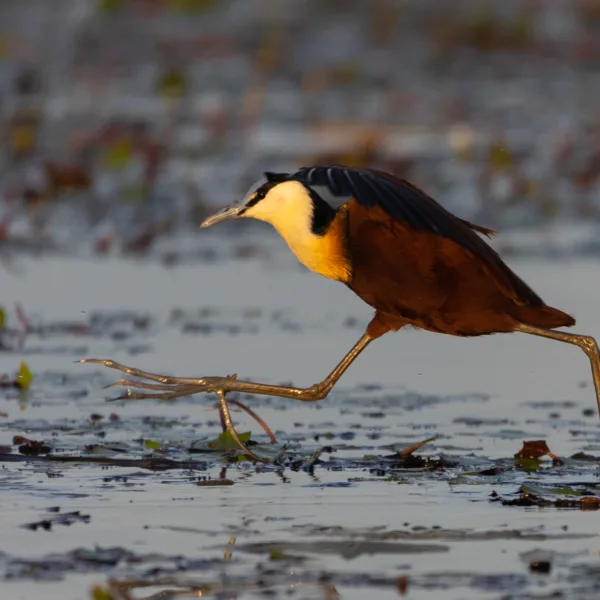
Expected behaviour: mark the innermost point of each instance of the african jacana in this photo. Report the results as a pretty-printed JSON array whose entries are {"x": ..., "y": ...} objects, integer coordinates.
[{"x": 395, "y": 247}]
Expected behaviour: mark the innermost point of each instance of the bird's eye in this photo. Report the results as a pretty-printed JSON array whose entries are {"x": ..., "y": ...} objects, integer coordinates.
[{"x": 255, "y": 198}]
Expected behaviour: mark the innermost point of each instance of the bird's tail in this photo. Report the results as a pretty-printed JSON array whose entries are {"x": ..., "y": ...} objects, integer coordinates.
[{"x": 544, "y": 316}]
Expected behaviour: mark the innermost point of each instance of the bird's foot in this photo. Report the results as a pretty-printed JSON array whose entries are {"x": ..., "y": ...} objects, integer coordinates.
[
  {"x": 170, "y": 387},
  {"x": 165, "y": 387}
]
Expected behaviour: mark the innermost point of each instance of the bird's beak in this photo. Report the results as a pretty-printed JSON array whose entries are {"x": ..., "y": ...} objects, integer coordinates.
[{"x": 231, "y": 212}]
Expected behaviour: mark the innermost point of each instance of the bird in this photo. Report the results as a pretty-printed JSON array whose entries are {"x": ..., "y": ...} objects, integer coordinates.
[{"x": 401, "y": 252}]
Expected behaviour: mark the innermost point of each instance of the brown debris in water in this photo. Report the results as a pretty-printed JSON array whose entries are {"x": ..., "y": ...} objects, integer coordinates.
[
  {"x": 411, "y": 449},
  {"x": 535, "y": 449},
  {"x": 31, "y": 447},
  {"x": 540, "y": 566},
  {"x": 406, "y": 459},
  {"x": 214, "y": 482},
  {"x": 402, "y": 585},
  {"x": 528, "y": 499}
]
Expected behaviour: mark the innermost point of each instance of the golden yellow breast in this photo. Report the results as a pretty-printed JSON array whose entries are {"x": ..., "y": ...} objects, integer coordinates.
[{"x": 326, "y": 255}]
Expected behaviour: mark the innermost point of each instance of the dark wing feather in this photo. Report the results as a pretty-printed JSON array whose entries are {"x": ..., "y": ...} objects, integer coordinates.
[{"x": 405, "y": 202}]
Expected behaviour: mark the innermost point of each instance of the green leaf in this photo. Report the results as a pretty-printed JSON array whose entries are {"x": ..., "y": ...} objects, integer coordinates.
[
  {"x": 118, "y": 155},
  {"x": 101, "y": 593},
  {"x": 528, "y": 464},
  {"x": 225, "y": 441},
  {"x": 277, "y": 554},
  {"x": 152, "y": 445},
  {"x": 24, "y": 377}
]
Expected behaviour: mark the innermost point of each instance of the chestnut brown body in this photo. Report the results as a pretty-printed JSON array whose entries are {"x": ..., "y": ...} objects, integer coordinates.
[{"x": 431, "y": 282}]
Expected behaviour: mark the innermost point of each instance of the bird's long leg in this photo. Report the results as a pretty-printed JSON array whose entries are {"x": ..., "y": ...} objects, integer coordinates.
[
  {"x": 174, "y": 387},
  {"x": 180, "y": 386},
  {"x": 587, "y": 343},
  {"x": 229, "y": 426}
]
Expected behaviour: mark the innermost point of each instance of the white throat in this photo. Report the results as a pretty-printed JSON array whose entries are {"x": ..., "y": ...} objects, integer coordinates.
[{"x": 289, "y": 208}]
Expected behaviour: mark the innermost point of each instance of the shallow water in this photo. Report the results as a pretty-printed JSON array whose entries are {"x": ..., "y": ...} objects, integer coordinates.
[{"x": 359, "y": 521}]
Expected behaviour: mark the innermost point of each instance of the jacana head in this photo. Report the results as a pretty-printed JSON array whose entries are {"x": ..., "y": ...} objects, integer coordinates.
[
  {"x": 301, "y": 217},
  {"x": 290, "y": 206}
]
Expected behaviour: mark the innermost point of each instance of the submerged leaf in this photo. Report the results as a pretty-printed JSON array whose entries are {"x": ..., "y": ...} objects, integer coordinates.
[
  {"x": 567, "y": 491},
  {"x": 540, "y": 495},
  {"x": 107, "y": 449},
  {"x": 585, "y": 457}
]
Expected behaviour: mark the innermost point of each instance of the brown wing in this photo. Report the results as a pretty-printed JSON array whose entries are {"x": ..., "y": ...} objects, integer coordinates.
[{"x": 405, "y": 202}]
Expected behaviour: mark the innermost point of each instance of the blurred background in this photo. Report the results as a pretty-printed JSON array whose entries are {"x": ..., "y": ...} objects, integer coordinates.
[{"x": 125, "y": 121}]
